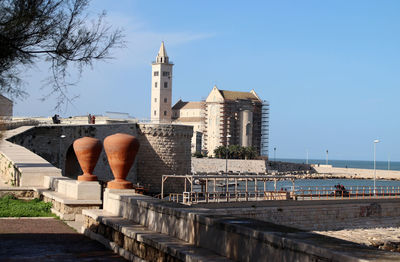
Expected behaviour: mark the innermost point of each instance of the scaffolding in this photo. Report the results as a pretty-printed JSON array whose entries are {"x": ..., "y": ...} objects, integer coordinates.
[{"x": 264, "y": 128}]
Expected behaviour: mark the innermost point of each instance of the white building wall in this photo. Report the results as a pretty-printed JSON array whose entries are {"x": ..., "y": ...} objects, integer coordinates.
[{"x": 213, "y": 127}]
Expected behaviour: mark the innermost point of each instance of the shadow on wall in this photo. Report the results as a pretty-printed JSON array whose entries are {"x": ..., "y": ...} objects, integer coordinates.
[{"x": 72, "y": 167}]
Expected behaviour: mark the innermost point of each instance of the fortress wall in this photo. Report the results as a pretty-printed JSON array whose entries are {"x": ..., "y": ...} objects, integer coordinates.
[
  {"x": 165, "y": 149},
  {"x": 46, "y": 141}
]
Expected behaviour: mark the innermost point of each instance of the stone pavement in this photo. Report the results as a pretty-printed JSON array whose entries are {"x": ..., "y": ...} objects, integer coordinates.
[
  {"x": 378, "y": 232},
  {"x": 47, "y": 239}
]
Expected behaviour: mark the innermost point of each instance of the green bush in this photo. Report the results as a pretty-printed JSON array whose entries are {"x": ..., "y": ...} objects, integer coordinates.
[
  {"x": 236, "y": 152},
  {"x": 198, "y": 155}
]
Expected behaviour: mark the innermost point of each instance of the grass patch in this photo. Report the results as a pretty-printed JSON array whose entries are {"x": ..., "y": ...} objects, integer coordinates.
[{"x": 10, "y": 206}]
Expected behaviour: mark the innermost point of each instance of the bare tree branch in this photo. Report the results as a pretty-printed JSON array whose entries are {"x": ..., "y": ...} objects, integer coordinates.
[{"x": 56, "y": 31}]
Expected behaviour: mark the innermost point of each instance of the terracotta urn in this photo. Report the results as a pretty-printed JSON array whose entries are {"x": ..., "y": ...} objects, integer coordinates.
[
  {"x": 87, "y": 150},
  {"x": 121, "y": 150}
]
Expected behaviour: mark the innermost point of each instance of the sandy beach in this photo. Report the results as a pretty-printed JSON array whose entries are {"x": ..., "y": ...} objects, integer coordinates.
[{"x": 357, "y": 173}]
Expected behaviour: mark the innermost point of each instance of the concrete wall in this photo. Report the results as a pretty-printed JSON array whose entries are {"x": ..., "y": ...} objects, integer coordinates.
[
  {"x": 210, "y": 165},
  {"x": 165, "y": 150}
]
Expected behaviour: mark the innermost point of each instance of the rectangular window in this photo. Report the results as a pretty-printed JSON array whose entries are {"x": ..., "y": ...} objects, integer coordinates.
[
  {"x": 165, "y": 100},
  {"x": 165, "y": 84},
  {"x": 165, "y": 73},
  {"x": 155, "y": 73},
  {"x": 155, "y": 84}
]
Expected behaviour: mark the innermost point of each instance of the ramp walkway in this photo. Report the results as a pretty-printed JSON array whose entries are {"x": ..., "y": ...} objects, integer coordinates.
[{"x": 20, "y": 166}]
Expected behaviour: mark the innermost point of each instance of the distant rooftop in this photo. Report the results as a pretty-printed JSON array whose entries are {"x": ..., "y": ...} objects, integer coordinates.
[
  {"x": 236, "y": 95},
  {"x": 188, "y": 105}
]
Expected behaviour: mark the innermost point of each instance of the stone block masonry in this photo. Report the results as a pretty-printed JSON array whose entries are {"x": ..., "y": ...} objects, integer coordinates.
[
  {"x": 312, "y": 214},
  {"x": 47, "y": 142},
  {"x": 211, "y": 165},
  {"x": 148, "y": 227},
  {"x": 164, "y": 150},
  {"x": 9, "y": 173}
]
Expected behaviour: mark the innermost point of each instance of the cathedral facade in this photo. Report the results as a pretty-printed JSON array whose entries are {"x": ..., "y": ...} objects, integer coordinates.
[{"x": 224, "y": 118}]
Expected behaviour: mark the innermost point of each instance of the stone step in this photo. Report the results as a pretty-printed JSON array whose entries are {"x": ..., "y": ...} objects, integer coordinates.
[
  {"x": 162, "y": 242},
  {"x": 64, "y": 199}
]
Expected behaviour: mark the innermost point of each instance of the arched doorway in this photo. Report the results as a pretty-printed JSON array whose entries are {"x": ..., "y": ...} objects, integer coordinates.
[{"x": 72, "y": 167}]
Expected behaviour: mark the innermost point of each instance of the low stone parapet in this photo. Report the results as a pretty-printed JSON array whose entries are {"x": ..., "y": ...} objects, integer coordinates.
[
  {"x": 135, "y": 242},
  {"x": 228, "y": 234},
  {"x": 21, "y": 167},
  {"x": 69, "y": 197}
]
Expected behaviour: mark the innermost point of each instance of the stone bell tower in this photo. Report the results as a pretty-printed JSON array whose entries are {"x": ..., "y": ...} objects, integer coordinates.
[{"x": 161, "y": 87}]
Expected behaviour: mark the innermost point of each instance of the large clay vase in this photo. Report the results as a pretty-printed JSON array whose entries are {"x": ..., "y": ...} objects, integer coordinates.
[
  {"x": 87, "y": 150},
  {"x": 121, "y": 150}
]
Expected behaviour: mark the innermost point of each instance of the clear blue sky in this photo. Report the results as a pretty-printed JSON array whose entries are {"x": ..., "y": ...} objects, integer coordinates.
[{"x": 330, "y": 69}]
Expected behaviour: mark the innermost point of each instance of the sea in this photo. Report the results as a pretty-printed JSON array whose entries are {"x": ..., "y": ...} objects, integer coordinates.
[{"x": 383, "y": 165}]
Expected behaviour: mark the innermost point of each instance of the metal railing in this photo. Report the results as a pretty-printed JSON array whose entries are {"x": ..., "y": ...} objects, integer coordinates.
[
  {"x": 352, "y": 192},
  {"x": 225, "y": 188},
  {"x": 211, "y": 188},
  {"x": 217, "y": 197}
]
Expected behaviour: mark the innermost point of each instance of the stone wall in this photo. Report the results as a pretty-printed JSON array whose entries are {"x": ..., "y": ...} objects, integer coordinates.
[
  {"x": 210, "y": 165},
  {"x": 287, "y": 166},
  {"x": 164, "y": 150},
  {"x": 227, "y": 233},
  {"x": 46, "y": 141},
  {"x": 314, "y": 214},
  {"x": 8, "y": 172},
  {"x": 8, "y": 125}
]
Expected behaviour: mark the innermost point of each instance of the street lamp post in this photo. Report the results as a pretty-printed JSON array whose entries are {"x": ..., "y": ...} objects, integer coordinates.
[
  {"x": 226, "y": 153},
  {"x": 375, "y": 142},
  {"x": 307, "y": 157},
  {"x": 327, "y": 157},
  {"x": 59, "y": 152}
]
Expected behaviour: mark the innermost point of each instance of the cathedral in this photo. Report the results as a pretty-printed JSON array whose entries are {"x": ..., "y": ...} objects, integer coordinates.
[{"x": 224, "y": 118}]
